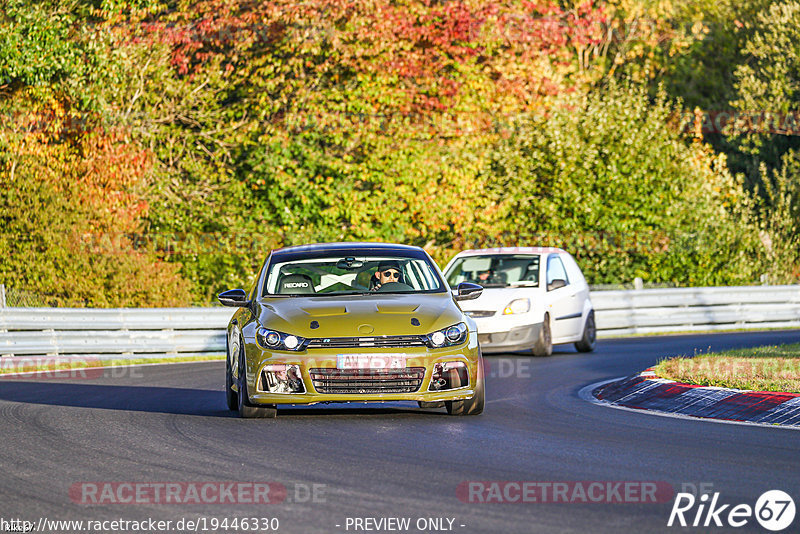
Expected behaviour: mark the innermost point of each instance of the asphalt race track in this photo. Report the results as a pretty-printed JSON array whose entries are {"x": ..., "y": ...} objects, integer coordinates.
[{"x": 168, "y": 423}]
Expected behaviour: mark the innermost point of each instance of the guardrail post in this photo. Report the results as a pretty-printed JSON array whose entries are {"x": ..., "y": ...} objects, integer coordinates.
[{"x": 2, "y": 295}]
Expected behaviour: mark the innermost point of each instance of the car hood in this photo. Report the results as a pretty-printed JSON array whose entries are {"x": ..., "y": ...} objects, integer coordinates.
[
  {"x": 365, "y": 315},
  {"x": 497, "y": 298}
]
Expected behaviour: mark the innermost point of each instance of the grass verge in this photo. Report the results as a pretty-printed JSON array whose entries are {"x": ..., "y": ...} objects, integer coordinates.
[{"x": 770, "y": 368}]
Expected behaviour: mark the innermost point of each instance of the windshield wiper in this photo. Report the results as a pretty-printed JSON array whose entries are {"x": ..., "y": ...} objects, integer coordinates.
[{"x": 523, "y": 283}]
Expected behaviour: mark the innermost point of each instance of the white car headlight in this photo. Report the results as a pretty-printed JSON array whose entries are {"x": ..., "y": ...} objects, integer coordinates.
[{"x": 517, "y": 306}]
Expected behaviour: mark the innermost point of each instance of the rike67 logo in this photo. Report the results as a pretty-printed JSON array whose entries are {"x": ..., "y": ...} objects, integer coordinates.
[{"x": 774, "y": 510}]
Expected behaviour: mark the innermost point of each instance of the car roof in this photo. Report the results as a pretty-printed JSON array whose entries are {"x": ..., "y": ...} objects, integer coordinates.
[
  {"x": 322, "y": 249},
  {"x": 512, "y": 250}
]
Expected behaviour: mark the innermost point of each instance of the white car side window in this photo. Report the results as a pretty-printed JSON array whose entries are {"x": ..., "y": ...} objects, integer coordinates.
[
  {"x": 574, "y": 270},
  {"x": 555, "y": 270}
]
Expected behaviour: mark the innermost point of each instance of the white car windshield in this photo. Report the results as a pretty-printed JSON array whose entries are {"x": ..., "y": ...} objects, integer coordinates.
[
  {"x": 495, "y": 270},
  {"x": 352, "y": 275}
]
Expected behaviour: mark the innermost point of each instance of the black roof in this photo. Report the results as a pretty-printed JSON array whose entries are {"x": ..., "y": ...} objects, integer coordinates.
[{"x": 342, "y": 249}]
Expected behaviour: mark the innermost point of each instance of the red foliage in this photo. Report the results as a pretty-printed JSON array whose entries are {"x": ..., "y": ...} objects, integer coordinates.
[
  {"x": 427, "y": 46},
  {"x": 110, "y": 174}
]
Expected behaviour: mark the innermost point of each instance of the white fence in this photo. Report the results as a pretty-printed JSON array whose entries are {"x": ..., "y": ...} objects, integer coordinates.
[{"x": 188, "y": 331}]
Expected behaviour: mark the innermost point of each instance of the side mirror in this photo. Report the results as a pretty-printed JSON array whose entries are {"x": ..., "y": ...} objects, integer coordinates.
[
  {"x": 233, "y": 297},
  {"x": 468, "y": 291},
  {"x": 555, "y": 284}
]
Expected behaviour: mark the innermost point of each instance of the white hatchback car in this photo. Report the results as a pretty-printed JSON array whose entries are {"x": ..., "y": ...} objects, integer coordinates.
[{"x": 533, "y": 298}]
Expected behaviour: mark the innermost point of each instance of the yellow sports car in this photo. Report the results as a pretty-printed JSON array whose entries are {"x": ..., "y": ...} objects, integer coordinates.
[{"x": 352, "y": 322}]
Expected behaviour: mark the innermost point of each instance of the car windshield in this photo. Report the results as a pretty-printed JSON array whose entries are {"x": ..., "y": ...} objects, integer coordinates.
[
  {"x": 495, "y": 270},
  {"x": 352, "y": 275}
]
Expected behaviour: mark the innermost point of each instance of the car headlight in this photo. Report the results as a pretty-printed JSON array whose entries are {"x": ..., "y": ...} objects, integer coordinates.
[
  {"x": 274, "y": 340},
  {"x": 447, "y": 337},
  {"x": 517, "y": 306}
]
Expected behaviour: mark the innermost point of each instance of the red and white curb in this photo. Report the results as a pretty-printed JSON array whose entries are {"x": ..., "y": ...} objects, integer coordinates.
[{"x": 647, "y": 392}]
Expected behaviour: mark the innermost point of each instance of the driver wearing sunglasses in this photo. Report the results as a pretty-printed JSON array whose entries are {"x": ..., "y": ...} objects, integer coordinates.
[{"x": 388, "y": 271}]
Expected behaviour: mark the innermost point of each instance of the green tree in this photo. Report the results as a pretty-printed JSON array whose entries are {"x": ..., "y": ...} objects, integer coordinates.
[
  {"x": 604, "y": 176},
  {"x": 767, "y": 83}
]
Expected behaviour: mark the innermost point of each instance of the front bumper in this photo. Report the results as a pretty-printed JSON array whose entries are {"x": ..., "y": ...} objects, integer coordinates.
[
  {"x": 257, "y": 359},
  {"x": 516, "y": 339},
  {"x": 507, "y": 333}
]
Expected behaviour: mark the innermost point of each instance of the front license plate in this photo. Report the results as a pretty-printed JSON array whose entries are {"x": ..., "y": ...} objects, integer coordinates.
[{"x": 370, "y": 361}]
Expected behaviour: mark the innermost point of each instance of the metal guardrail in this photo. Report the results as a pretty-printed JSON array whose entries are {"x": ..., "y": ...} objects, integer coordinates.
[
  {"x": 18, "y": 319},
  {"x": 184, "y": 331},
  {"x": 655, "y": 311},
  {"x": 119, "y": 332}
]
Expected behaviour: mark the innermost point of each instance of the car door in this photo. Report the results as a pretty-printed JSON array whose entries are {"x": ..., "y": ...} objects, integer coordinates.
[
  {"x": 582, "y": 288},
  {"x": 566, "y": 307}
]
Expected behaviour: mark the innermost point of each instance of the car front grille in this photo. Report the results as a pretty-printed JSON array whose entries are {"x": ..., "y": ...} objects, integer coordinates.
[
  {"x": 355, "y": 381},
  {"x": 366, "y": 341},
  {"x": 480, "y": 313}
]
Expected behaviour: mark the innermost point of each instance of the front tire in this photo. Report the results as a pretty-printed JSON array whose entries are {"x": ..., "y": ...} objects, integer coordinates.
[
  {"x": 247, "y": 410},
  {"x": 473, "y": 406},
  {"x": 544, "y": 344},
  {"x": 231, "y": 397},
  {"x": 587, "y": 341}
]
